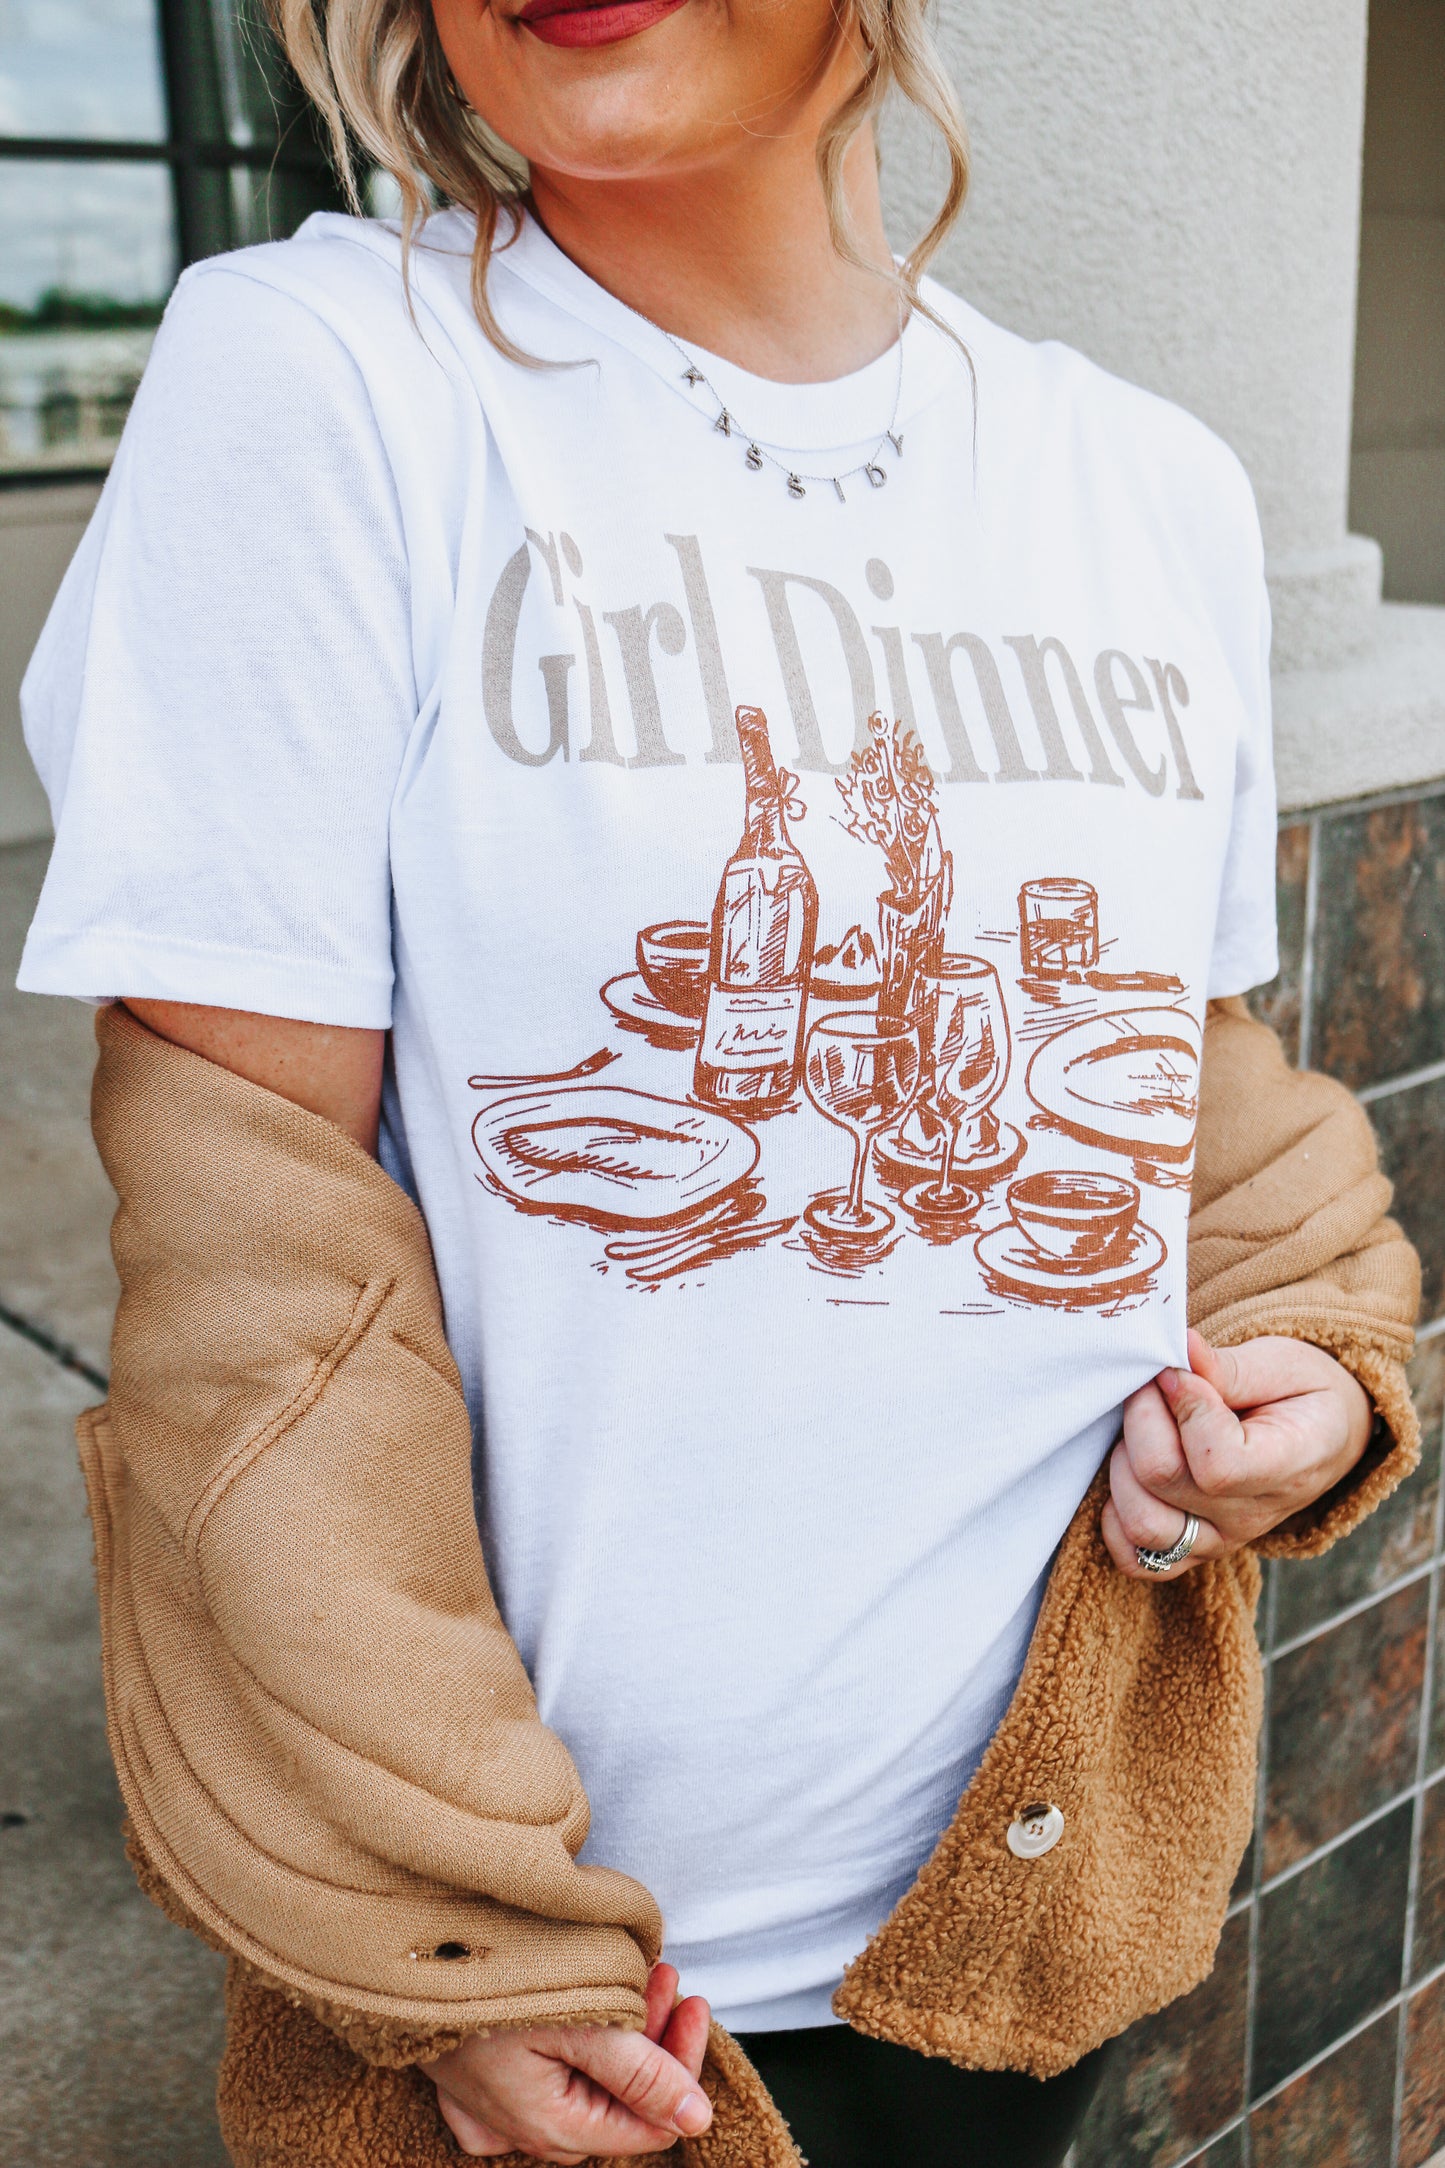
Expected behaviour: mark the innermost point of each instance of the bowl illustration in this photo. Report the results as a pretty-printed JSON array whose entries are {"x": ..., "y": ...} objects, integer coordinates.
[
  {"x": 672, "y": 958},
  {"x": 1075, "y": 1217}
]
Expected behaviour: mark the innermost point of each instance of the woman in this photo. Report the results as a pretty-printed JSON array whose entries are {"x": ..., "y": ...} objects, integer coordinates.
[{"x": 809, "y": 1210}]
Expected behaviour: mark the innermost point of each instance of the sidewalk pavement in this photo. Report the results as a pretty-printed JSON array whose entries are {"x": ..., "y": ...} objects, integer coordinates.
[{"x": 110, "y": 2018}]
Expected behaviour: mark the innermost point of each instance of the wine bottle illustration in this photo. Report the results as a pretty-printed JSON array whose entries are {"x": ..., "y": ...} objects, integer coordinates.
[{"x": 764, "y": 925}]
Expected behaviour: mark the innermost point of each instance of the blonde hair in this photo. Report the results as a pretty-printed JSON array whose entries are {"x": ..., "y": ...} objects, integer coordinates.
[{"x": 377, "y": 74}]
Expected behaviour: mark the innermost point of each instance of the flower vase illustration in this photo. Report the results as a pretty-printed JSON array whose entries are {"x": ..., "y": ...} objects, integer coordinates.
[
  {"x": 890, "y": 799},
  {"x": 862, "y": 1074},
  {"x": 763, "y": 930}
]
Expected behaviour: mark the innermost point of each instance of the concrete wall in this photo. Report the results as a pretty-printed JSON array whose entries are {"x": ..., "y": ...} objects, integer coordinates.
[
  {"x": 1398, "y": 473},
  {"x": 39, "y": 529},
  {"x": 1176, "y": 191}
]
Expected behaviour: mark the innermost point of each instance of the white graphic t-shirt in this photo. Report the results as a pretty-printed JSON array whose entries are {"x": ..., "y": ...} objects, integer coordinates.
[{"x": 793, "y": 905}]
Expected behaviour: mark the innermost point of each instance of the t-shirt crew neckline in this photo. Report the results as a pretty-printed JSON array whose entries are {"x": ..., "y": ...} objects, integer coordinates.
[{"x": 838, "y": 414}]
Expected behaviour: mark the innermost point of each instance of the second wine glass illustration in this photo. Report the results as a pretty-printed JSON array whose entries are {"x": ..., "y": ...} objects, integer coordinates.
[
  {"x": 966, "y": 1043},
  {"x": 864, "y": 1076}
]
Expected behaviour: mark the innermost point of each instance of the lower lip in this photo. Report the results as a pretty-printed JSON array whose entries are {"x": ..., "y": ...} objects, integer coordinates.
[{"x": 608, "y": 24}]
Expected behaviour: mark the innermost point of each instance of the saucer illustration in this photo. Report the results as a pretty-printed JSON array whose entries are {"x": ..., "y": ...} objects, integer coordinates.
[
  {"x": 614, "y": 1157},
  {"x": 1013, "y": 1267},
  {"x": 637, "y": 1008}
]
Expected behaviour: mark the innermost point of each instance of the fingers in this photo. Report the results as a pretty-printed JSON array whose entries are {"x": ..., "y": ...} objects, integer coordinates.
[
  {"x": 656, "y": 2088},
  {"x": 475, "y": 2140},
  {"x": 686, "y": 2036},
  {"x": 1192, "y": 1454},
  {"x": 1185, "y": 1450},
  {"x": 1188, "y": 1449},
  {"x": 1134, "y": 1520},
  {"x": 1272, "y": 1371},
  {"x": 1153, "y": 1443},
  {"x": 661, "y": 2000},
  {"x": 574, "y": 2093},
  {"x": 1211, "y": 1436},
  {"x": 680, "y": 2027},
  {"x": 1259, "y": 1371}
]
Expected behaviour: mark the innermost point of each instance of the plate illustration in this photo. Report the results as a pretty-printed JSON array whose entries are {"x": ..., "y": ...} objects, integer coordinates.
[
  {"x": 1127, "y": 1081},
  {"x": 1011, "y": 1266},
  {"x": 613, "y": 1157},
  {"x": 637, "y": 1008},
  {"x": 899, "y": 1161}
]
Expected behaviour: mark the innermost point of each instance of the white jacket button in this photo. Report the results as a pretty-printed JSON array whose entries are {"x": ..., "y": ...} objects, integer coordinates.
[{"x": 1035, "y": 1831}]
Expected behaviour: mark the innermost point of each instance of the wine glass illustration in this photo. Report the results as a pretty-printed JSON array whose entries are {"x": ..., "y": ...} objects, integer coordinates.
[
  {"x": 966, "y": 1044},
  {"x": 864, "y": 1076}
]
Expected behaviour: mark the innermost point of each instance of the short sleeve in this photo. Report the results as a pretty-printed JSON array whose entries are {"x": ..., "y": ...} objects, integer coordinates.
[
  {"x": 1245, "y": 952},
  {"x": 221, "y": 700}
]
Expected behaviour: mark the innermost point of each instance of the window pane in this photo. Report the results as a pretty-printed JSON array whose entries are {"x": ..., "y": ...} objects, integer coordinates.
[
  {"x": 268, "y": 206},
  {"x": 256, "y": 101},
  {"x": 81, "y": 68},
  {"x": 232, "y": 85},
  {"x": 87, "y": 257}
]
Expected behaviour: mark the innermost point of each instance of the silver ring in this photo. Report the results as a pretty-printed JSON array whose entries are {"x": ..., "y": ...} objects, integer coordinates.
[{"x": 1161, "y": 1561}]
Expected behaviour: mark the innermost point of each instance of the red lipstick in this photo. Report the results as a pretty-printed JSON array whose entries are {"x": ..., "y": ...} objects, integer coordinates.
[{"x": 593, "y": 22}]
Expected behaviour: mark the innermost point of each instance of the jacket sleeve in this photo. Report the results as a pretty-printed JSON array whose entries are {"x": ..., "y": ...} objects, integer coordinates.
[
  {"x": 1289, "y": 1234},
  {"x": 327, "y": 1743}
]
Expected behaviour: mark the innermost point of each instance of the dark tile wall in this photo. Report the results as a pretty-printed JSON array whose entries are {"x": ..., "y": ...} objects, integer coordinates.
[
  {"x": 1330, "y": 1942},
  {"x": 1339, "y": 2113},
  {"x": 1319, "y": 2040},
  {"x": 1422, "y": 2118},
  {"x": 1411, "y": 1127},
  {"x": 1379, "y": 956}
]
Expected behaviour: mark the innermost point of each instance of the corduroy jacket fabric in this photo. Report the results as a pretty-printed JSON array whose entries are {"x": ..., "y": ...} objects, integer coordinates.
[{"x": 328, "y": 1746}]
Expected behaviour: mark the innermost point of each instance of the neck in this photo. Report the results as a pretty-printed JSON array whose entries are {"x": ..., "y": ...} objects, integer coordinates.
[{"x": 736, "y": 256}]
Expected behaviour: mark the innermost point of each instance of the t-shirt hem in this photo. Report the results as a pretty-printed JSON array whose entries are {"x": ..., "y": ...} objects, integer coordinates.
[
  {"x": 97, "y": 967},
  {"x": 807, "y": 2012}
]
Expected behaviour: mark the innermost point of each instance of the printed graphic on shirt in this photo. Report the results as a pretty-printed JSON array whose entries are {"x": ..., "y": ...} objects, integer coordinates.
[{"x": 932, "y": 1071}]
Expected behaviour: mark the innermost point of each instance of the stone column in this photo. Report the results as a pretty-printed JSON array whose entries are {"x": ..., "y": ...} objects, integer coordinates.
[{"x": 1176, "y": 190}]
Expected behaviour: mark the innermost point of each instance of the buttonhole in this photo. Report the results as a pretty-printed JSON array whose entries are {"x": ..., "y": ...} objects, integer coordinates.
[{"x": 449, "y": 1952}]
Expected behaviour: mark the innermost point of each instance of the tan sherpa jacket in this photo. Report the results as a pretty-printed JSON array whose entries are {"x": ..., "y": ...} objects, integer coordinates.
[{"x": 329, "y": 1748}]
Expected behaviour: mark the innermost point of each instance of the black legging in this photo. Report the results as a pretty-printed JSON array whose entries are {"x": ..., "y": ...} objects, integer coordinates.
[{"x": 853, "y": 2102}]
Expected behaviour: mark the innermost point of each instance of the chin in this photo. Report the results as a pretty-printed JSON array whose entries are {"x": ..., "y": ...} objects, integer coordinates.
[
  {"x": 606, "y": 89},
  {"x": 611, "y": 132}
]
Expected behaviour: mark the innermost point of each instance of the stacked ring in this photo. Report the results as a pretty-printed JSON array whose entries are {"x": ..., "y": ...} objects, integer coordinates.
[{"x": 1161, "y": 1561}]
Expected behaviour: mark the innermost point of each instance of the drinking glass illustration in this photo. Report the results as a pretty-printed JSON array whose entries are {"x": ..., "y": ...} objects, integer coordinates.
[
  {"x": 967, "y": 1048},
  {"x": 1058, "y": 927},
  {"x": 864, "y": 1076}
]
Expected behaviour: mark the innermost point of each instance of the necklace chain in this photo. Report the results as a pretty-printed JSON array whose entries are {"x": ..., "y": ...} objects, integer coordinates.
[{"x": 759, "y": 453}]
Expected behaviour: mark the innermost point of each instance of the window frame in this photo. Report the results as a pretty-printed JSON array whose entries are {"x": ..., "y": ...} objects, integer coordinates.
[{"x": 191, "y": 154}]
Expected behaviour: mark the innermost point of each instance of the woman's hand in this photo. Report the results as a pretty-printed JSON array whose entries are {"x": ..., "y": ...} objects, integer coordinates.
[
  {"x": 563, "y": 2093},
  {"x": 1302, "y": 1423}
]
